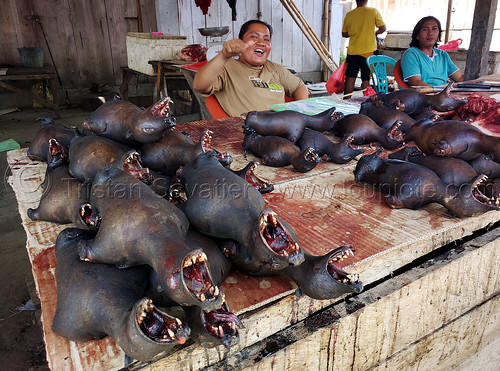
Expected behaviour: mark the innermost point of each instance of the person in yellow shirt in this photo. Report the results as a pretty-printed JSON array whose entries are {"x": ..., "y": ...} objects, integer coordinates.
[{"x": 361, "y": 25}]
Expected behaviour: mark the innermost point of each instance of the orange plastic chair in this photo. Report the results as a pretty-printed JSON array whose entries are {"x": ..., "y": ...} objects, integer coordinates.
[
  {"x": 398, "y": 76},
  {"x": 214, "y": 107},
  {"x": 217, "y": 112}
]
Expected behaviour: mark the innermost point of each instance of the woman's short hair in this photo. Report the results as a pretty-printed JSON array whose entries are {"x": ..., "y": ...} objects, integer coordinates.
[
  {"x": 418, "y": 27},
  {"x": 244, "y": 27}
]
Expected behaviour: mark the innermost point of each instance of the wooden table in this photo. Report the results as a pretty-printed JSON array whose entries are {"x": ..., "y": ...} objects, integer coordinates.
[
  {"x": 164, "y": 86},
  {"x": 431, "y": 290},
  {"x": 44, "y": 74}
]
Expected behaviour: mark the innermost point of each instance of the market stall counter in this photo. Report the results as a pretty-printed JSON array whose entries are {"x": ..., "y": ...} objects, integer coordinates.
[{"x": 432, "y": 281}]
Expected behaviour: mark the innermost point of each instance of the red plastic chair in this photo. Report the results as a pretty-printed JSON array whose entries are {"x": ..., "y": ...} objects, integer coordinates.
[{"x": 398, "y": 76}]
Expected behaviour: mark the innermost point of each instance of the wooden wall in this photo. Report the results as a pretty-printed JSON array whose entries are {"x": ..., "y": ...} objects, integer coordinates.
[
  {"x": 289, "y": 46},
  {"x": 83, "y": 39}
]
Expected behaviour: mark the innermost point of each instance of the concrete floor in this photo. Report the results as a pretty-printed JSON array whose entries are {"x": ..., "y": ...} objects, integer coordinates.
[{"x": 21, "y": 341}]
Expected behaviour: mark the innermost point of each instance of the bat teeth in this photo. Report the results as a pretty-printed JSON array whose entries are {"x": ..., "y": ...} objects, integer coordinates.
[
  {"x": 272, "y": 220},
  {"x": 171, "y": 333},
  {"x": 141, "y": 317},
  {"x": 353, "y": 277},
  {"x": 215, "y": 330},
  {"x": 221, "y": 331},
  {"x": 179, "y": 322},
  {"x": 216, "y": 291},
  {"x": 202, "y": 297}
]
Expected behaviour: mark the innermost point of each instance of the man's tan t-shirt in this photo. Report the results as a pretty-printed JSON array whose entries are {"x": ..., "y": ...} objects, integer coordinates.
[{"x": 240, "y": 88}]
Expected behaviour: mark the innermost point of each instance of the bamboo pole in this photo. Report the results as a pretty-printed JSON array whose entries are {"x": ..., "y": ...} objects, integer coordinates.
[
  {"x": 351, "y": 94},
  {"x": 323, "y": 57},
  {"x": 326, "y": 23},
  {"x": 298, "y": 22},
  {"x": 306, "y": 25},
  {"x": 310, "y": 30}
]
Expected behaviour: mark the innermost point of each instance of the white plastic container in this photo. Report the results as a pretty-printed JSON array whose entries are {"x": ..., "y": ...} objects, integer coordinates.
[{"x": 143, "y": 47}]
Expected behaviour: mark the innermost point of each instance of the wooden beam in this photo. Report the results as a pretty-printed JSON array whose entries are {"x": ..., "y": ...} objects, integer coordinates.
[
  {"x": 139, "y": 16},
  {"x": 482, "y": 30},
  {"x": 327, "y": 5},
  {"x": 448, "y": 21}
]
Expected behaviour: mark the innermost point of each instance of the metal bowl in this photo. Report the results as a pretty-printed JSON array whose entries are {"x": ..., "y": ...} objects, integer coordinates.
[{"x": 214, "y": 31}]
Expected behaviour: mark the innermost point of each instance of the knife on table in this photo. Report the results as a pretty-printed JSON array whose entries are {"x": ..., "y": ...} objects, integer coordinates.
[{"x": 473, "y": 85}]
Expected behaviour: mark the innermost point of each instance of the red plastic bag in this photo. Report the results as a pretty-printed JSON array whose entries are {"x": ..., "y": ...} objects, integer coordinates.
[
  {"x": 369, "y": 91},
  {"x": 336, "y": 81},
  {"x": 451, "y": 45}
]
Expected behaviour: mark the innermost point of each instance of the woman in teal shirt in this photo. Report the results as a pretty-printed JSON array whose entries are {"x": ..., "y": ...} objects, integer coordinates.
[{"x": 423, "y": 64}]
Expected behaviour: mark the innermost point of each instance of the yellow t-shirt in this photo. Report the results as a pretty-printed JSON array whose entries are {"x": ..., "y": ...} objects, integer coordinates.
[
  {"x": 240, "y": 88},
  {"x": 360, "y": 25}
]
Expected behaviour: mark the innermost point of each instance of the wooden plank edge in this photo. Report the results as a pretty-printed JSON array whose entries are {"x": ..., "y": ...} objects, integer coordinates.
[
  {"x": 344, "y": 335},
  {"x": 470, "y": 342}
]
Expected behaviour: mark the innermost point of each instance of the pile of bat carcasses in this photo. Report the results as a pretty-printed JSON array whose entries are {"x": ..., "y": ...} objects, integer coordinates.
[
  {"x": 158, "y": 224},
  {"x": 449, "y": 162}
]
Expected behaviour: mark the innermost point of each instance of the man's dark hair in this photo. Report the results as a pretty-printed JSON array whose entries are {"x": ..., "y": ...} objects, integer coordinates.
[
  {"x": 244, "y": 27},
  {"x": 414, "y": 42}
]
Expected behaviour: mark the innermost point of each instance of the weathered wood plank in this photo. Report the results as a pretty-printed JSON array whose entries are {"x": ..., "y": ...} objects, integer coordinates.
[
  {"x": 455, "y": 343},
  {"x": 482, "y": 32},
  {"x": 439, "y": 313},
  {"x": 487, "y": 358},
  {"x": 278, "y": 42}
]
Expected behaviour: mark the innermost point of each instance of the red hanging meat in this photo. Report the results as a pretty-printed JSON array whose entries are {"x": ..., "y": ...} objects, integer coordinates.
[{"x": 203, "y": 5}]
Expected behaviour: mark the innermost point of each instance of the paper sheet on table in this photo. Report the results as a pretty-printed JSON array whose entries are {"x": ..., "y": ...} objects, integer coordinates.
[{"x": 313, "y": 106}]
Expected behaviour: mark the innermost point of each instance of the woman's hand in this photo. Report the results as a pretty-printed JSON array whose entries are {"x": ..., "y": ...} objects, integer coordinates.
[{"x": 233, "y": 48}]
